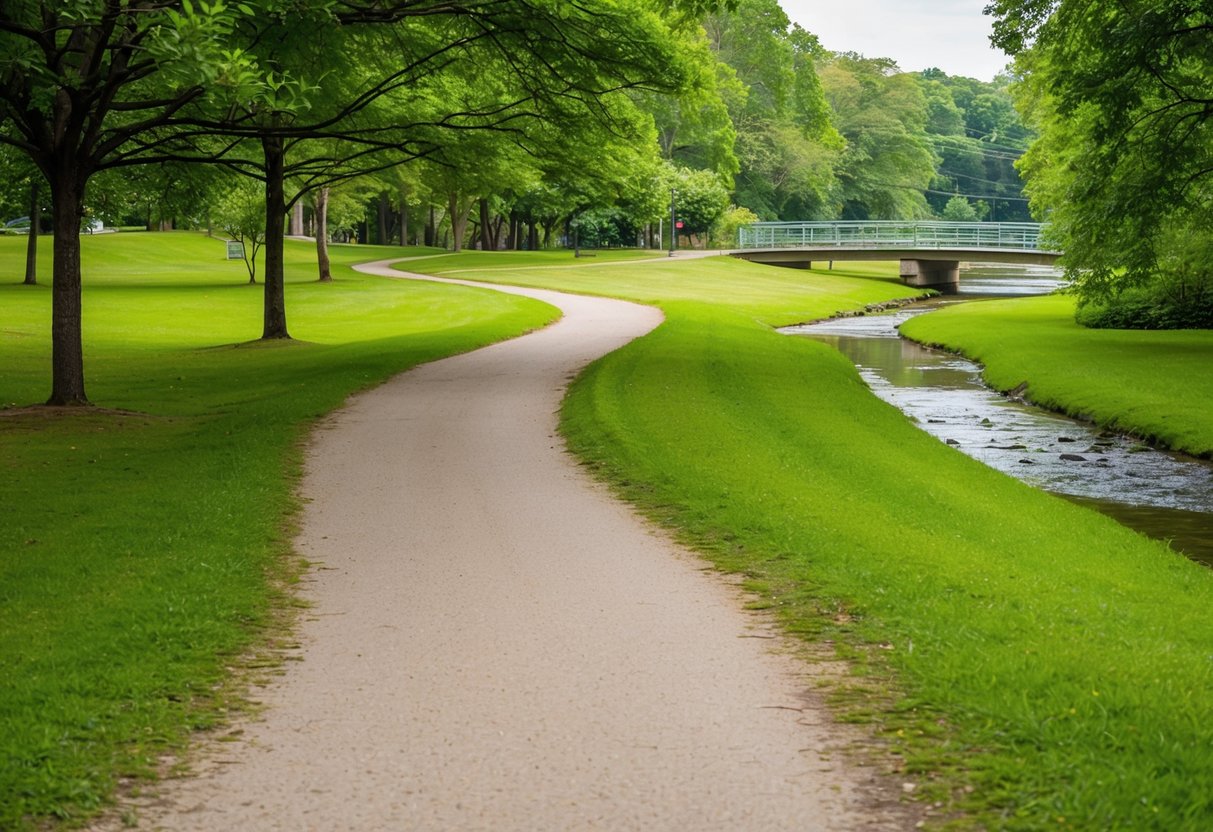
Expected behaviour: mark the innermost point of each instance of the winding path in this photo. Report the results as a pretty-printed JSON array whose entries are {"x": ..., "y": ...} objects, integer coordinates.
[{"x": 497, "y": 644}]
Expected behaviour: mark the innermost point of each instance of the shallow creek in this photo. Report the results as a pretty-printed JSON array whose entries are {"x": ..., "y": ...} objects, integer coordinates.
[{"x": 1161, "y": 494}]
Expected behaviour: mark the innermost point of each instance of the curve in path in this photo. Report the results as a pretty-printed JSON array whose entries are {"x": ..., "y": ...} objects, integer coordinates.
[{"x": 498, "y": 644}]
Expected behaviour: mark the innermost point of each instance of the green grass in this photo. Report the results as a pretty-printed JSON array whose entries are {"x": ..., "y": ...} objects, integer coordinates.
[
  {"x": 1153, "y": 384},
  {"x": 776, "y": 296},
  {"x": 143, "y": 548},
  {"x": 1035, "y": 665}
]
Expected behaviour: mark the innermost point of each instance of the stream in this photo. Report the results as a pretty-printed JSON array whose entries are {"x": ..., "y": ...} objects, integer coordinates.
[{"x": 1162, "y": 494}]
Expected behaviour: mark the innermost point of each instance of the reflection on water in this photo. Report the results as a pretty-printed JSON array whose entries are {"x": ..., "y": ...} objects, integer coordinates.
[{"x": 1160, "y": 494}]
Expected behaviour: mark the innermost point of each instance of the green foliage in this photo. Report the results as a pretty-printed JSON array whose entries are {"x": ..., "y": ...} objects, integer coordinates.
[
  {"x": 1179, "y": 297},
  {"x": 959, "y": 209},
  {"x": 1119, "y": 93},
  {"x": 700, "y": 202},
  {"x": 694, "y": 129},
  {"x": 126, "y": 599},
  {"x": 888, "y": 163},
  {"x": 240, "y": 213},
  {"x": 725, "y": 232},
  {"x": 786, "y": 143},
  {"x": 977, "y": 136}
]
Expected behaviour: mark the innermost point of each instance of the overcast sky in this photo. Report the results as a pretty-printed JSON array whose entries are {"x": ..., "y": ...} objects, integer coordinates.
[{"x": 950, "y": 34}]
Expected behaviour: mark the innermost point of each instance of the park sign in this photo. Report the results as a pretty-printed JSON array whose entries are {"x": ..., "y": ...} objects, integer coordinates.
[{"x": 235, "y": 250}]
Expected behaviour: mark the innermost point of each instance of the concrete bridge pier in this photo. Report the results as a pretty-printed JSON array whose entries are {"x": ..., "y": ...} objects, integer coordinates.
[{"x": 941, "y": 275}]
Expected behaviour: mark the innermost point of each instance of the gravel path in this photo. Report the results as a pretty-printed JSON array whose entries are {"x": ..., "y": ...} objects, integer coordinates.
[{"x": 497, "y": 644}]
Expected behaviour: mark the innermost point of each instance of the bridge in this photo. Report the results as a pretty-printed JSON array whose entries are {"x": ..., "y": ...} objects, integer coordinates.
[{"x": 930, "y": 252}]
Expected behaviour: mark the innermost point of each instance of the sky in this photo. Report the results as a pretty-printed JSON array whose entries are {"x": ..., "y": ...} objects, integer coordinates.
[{"x": 950, "y": 34}]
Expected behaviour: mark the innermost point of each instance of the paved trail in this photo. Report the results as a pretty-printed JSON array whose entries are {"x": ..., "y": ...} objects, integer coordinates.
[{"x": 497, "y": 644}]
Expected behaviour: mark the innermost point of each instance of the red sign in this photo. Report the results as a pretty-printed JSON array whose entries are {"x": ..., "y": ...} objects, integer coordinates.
[{"x": 678, "y": 224}]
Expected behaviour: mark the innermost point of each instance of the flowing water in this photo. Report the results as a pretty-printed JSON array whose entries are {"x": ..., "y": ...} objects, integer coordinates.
[{"x": 1165, "y": 495}]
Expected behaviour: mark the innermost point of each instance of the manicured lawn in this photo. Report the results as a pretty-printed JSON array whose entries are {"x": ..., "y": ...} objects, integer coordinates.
[
  {"x": 144, "y": 547},
  {"x": 776, "y": 296},
  {"x": 1154, "y": 384},
  {"x": 1035, "y": 665}
]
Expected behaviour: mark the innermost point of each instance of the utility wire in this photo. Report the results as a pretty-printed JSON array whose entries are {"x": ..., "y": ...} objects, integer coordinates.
[
  {"x": 943, "y": 172},
  {"x": 967, "y": 148}
]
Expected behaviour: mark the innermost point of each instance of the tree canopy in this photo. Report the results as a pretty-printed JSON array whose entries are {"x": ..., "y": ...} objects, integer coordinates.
[
  {"x": 1122, "y": 169},
  {"x": 515, "y": 121}
]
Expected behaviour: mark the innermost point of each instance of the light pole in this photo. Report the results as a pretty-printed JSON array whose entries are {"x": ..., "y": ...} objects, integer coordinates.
[{"x": 673, "y": 222}]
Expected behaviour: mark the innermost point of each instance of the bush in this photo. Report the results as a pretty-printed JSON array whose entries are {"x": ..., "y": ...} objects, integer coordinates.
[
  {"x": 724, "y": 232},
  {"x": 1165, "y": 303}
]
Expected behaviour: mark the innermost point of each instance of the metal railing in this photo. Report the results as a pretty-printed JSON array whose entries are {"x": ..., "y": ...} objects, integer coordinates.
[{"x": 878, "y": 234}]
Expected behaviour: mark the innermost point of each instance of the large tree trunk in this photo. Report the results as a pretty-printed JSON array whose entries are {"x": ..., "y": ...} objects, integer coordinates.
[
  {"x": 322, "y": 235},
  {"x": 459, "y": 220},
  {"x": 31, "y": 245},
  {"x": 430, "y": 230},
  {"x": 67, "y": 349},
  {"x": 297, "y": 220},
  {"x": 495, "y": 237},
  {"x": 511, "y": 240},
  {"x": 486, "y": 232},
  {"x": 275, "y": 220},
  {"x": 381, "y": 226}
]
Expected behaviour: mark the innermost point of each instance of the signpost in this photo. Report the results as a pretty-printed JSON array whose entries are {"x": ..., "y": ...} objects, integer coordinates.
[{"x": 235, "y": 250}]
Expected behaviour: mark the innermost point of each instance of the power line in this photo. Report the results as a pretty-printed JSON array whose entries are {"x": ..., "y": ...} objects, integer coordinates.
[
  {"x": 977, "y": 134},
  {"x": 943, "y": 172},
  {"x": 966, "y": 148},
  {"x": 994, "y": 197}
]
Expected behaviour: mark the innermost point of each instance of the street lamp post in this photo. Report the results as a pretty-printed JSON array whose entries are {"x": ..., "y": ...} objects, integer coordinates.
[{"x": 673, "y": 222}]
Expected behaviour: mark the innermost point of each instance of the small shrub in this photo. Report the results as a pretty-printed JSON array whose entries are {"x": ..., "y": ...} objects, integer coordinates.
[
  {"x": 724, "y": 232},
  {"x": 1168, "y": 302}
]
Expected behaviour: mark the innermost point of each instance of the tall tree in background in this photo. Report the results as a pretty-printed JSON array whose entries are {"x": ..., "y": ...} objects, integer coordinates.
[
  {"x": 787, "y": 146},
  {"x": 23, "y": 196},
  {"x": 977, "y": 137},
  {"x": 888, "y": 163}
]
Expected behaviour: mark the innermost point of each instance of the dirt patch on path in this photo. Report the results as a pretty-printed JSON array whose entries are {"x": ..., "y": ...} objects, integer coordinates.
[{"x": 498, "y": 644}]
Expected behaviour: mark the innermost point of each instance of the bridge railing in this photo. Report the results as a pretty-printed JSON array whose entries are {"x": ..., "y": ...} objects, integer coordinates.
[{"x": 1021, "y": 236}]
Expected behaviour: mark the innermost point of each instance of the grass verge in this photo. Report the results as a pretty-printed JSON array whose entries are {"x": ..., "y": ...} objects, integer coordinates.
[
  {"x": 143, "y": 547},
  {"x": 1153, "y": 384},
  {"x": 1032, "y": 663}
]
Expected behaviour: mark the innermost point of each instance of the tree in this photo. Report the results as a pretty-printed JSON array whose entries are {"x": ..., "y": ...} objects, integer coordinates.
[
  {"x": 977, "y": 137},
  {"x": 888, "y": 163},
  {"x": 695, "y": 128},
  {"x": 700, "y": 202},
  {"x": 959, "y": 209},
  {"x": 786, "y": 144},
  {"x": 240, "y": 213},
  {"x": 1124, "y": 162},
  {"x": 88, "y": 87},
  {"x": 24, "y": 196}
]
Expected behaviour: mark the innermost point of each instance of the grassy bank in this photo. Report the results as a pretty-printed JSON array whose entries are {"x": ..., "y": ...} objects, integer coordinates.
[
  {"x": 1153, "y": 384},
  {"x": 1036, "y": 665},
  {"x": 140, "y": 545}
]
